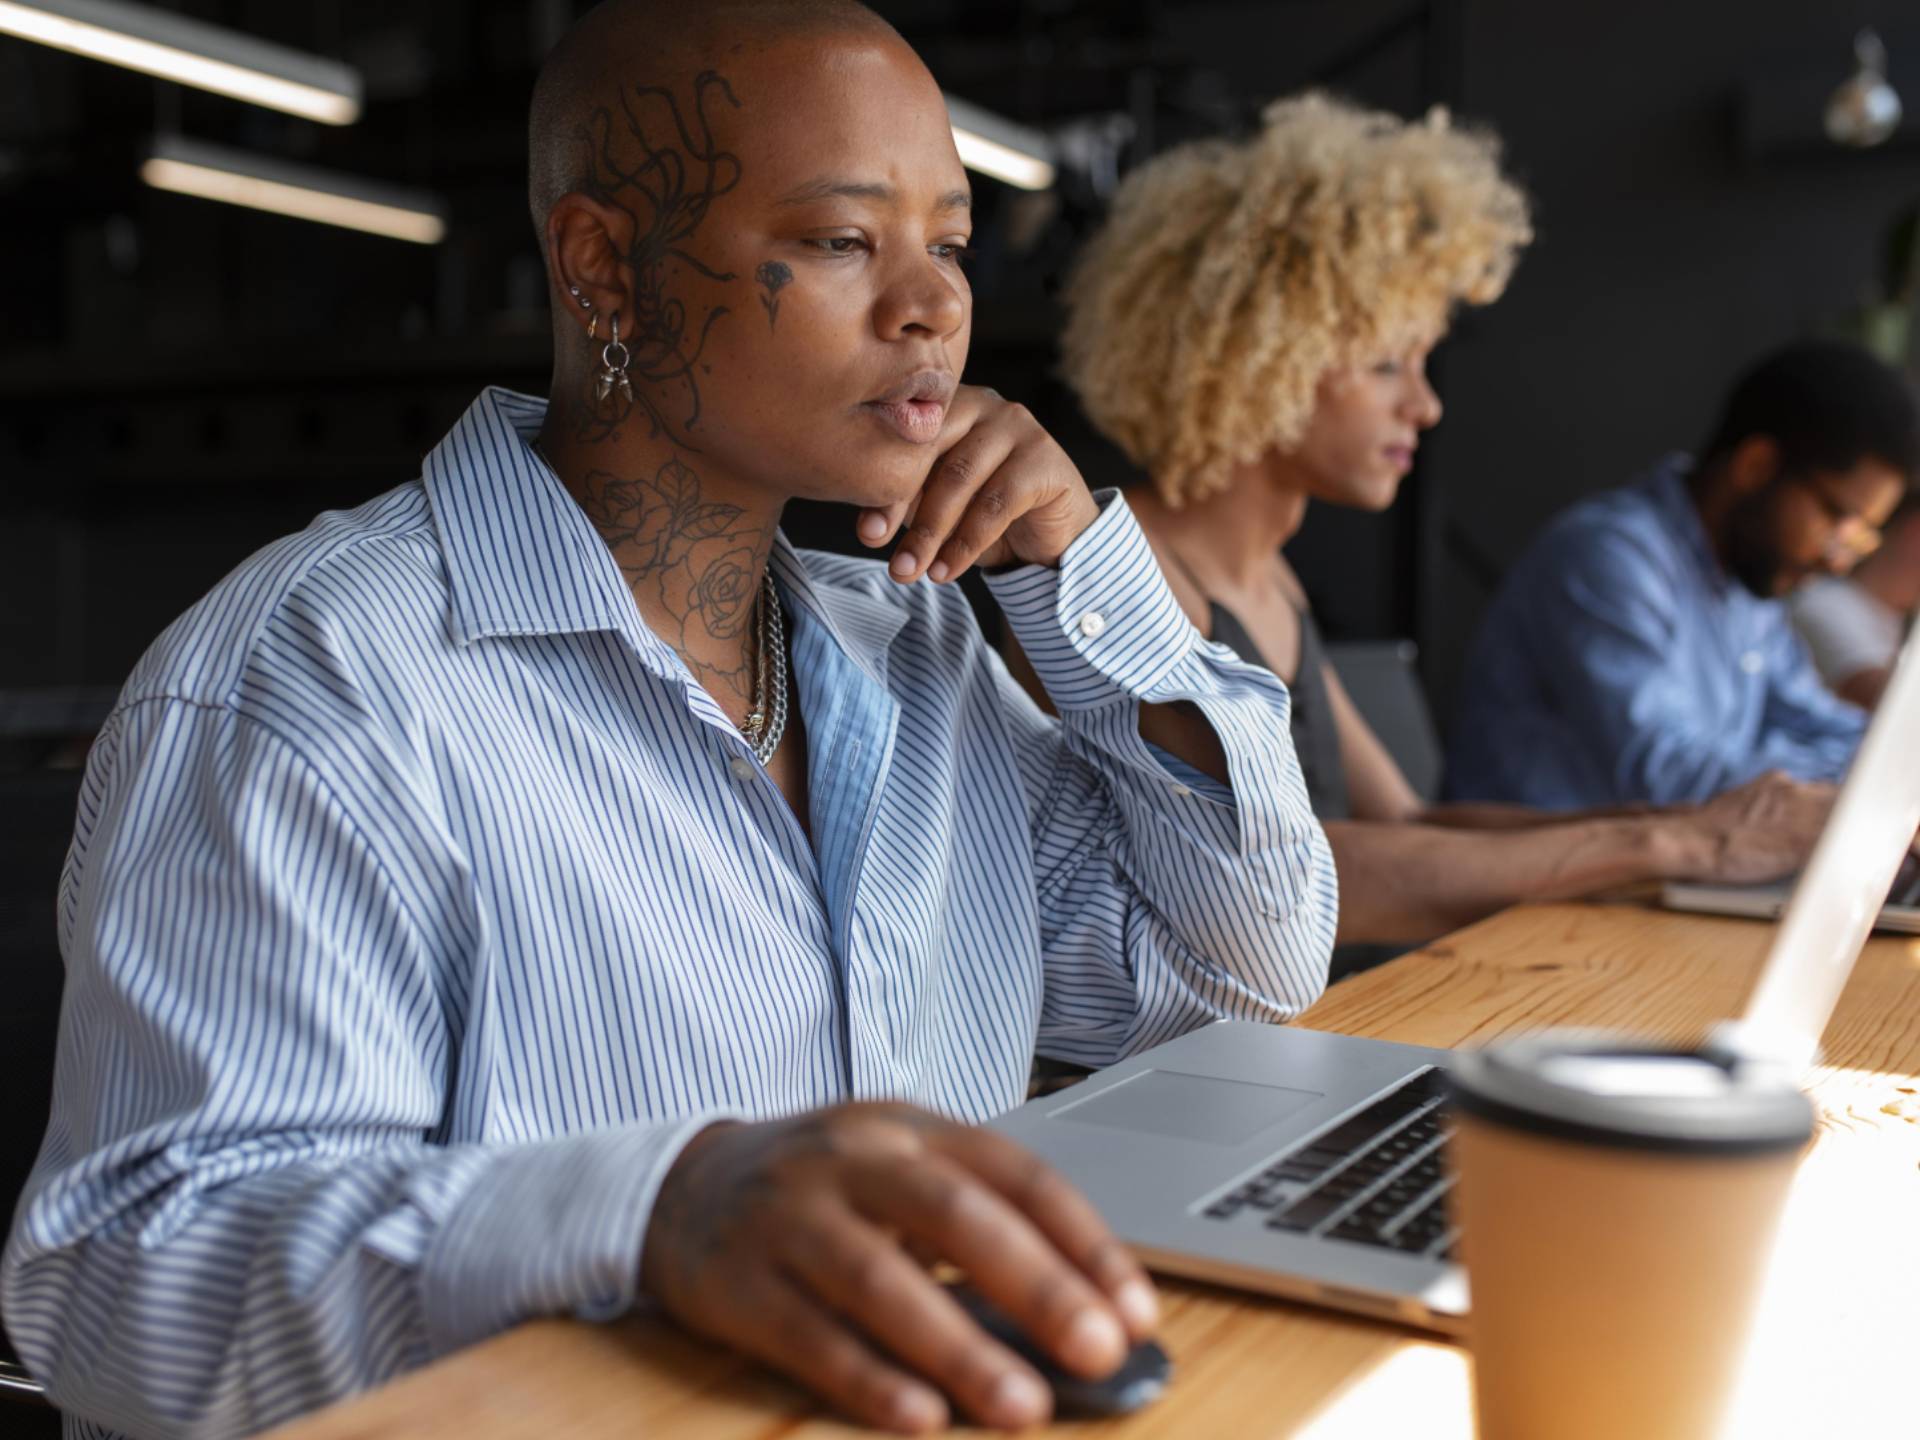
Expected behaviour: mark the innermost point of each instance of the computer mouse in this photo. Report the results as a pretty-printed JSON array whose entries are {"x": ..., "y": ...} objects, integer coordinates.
[{"x": 1136, "y": 1384}]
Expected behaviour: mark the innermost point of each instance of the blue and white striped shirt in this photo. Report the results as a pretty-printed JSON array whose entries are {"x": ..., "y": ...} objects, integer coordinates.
[{"x": 421, "y": 906}]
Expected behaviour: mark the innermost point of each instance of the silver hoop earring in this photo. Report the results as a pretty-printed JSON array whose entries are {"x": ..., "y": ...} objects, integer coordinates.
[{"x": 614, "y": 359}]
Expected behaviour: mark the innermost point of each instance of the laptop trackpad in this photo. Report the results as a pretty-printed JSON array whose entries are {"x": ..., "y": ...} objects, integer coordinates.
[{"x": 1188, "y": 1107}]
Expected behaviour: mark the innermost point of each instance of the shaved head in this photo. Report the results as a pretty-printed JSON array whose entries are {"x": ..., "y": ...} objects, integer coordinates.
[
  {"x": 754, "y": 220},
  {"x": 622, "y": 44}
]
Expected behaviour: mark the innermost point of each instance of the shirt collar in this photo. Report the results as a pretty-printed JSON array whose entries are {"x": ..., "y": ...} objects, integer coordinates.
[
  {"x": 862, "y": 625},
  {"x": 1671, "y": 493},
  {"x": 523, "y": 558}
]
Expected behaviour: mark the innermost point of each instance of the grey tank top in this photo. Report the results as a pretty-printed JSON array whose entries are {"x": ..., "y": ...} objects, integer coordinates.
[{"x": 1316, "y": 740}]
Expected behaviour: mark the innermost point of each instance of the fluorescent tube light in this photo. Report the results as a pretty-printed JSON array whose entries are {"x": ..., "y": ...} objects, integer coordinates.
[
  {"x": 191, "y": 52},
  {"x": 212, "y": 172},
  {"x": 1000, "y": 148}
]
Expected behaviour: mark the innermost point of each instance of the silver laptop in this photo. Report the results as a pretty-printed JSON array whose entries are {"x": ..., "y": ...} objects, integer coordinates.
[
  {"x": 1310, "y": 1165},
  {"x": 1899, "y": 916}
]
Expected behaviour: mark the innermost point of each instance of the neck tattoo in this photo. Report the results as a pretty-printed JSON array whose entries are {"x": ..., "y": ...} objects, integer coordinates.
[
  {"x": 762, "y": 680},
  {"x": 695, "y": 562}
]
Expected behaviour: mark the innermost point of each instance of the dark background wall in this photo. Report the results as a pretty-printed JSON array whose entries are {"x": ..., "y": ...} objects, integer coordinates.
[
  {"x": 1691, "y": 217},
  {"x": 179, "y": 381}
]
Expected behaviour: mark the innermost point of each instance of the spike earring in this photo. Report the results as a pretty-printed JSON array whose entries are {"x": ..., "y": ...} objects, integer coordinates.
[
  {"x": 614, "y": 360},
  {"x": 593, "y": 327}
]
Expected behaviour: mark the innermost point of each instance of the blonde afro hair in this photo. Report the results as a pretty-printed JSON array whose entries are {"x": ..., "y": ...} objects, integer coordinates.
[{"x": 1232, "y": 276}]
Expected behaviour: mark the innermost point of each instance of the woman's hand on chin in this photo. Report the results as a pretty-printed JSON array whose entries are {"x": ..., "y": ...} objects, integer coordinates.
[{"x": 1002, "y": 492}]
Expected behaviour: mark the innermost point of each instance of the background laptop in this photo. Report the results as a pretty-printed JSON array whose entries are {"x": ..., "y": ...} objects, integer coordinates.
[
  {"x": 1309, "y": 1165},
  {"x": 1900, "y": 915}
]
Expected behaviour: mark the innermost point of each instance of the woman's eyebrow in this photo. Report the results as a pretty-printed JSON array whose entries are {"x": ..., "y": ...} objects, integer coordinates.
[{"x": 836, "y": 189}]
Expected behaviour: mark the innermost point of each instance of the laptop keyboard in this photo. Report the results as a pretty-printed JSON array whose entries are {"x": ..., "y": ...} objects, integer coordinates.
[{"x": 1376, "y": 1178}]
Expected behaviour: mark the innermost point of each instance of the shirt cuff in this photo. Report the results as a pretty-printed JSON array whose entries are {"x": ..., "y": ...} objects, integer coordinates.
[
  {"x": 551, "y": 1228},
  {"x": 1104, "y": 626}
]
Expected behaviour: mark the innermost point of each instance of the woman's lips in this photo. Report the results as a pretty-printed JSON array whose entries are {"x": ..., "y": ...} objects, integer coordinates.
[
  {"x": 1401, "y": 457},
  {"x": 914, "y": 408},
  {"x": 918, "y": 422}
]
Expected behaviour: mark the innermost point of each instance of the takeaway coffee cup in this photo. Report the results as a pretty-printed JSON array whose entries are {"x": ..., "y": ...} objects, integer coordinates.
[{"x": 1617, "y": 1204}]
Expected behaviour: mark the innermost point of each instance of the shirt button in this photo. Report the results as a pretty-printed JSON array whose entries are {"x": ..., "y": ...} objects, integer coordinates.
[
  {"x": 742, "y": 768},
  {"x": 1092, "y": 623},
  {"x": 1753, "y": 662},
  {"x": 1180, "y": 792}
]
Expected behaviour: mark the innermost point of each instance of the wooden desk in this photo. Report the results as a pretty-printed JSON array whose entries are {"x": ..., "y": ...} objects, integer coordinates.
[{"x": 1833, "y": 1351}]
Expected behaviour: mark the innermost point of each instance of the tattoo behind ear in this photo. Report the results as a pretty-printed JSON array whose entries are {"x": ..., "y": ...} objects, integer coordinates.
[
  {"x": 661, "y": 165},
  {"x": 773, "y": 276}
]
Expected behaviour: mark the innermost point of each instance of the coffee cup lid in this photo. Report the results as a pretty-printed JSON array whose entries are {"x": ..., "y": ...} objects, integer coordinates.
[{"x": 1609, "y": 1089}]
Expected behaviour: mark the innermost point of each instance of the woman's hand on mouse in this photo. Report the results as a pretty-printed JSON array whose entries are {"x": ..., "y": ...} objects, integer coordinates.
[{"x": 791, "y": 1239}]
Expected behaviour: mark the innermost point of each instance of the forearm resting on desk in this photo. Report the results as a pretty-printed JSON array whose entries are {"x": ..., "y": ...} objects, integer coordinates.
[
  {"x": 1401, "y": 882},
  {"x": 1466, "y": 816},
  {"x": 1404, "y": 883}
]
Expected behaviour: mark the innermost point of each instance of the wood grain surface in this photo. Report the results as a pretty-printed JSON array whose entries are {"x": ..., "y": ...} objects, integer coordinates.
[{"x": 1832, "y": 1353}]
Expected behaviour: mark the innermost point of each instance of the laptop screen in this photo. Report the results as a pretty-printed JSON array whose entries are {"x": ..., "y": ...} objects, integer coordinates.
[{"x": 1865, "y": 841}]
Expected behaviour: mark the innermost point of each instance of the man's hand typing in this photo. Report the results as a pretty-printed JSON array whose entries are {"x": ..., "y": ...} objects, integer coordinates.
[
  {"x": 1756, "y": 832},
  {"x": 796, "y": 1241}
]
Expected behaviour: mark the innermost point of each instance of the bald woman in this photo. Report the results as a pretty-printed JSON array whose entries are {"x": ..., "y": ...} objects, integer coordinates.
[{"x": 545, "y": 891}]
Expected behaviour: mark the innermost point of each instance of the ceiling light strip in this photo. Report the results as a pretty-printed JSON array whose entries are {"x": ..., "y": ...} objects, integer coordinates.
[
  {"x": 191, "y": 52},
  {"x": 190, "y": 167},
  {"x": 1000, "y": 148}
]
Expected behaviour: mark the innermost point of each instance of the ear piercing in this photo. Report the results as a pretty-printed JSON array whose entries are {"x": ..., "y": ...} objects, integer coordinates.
[
  {"x": 614, "y": 356},
  {"x": 614, "y": 359}
]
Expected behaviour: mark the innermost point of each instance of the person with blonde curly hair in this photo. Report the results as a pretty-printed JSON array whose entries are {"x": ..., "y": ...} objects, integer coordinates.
[{"x": 1251, "y": 325}]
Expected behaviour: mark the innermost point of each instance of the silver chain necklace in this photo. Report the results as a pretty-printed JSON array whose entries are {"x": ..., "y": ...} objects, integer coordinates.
[{"x": 766, "y": 723}]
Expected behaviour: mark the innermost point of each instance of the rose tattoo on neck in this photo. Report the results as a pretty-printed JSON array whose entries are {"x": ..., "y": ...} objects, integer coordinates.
[{"x": 700, "y": 560}]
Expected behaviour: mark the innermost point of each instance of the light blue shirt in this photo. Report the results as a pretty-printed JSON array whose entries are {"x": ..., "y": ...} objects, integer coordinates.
[
  {"x": 1619, "y": 663},
  {"x": 421, "y": 907}
]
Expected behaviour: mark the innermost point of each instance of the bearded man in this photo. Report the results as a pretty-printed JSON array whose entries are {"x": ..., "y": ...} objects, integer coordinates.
[{"x": 1640, "y": 651}]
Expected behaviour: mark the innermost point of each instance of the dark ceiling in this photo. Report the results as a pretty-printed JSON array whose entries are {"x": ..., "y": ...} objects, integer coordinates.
[
  {"x": 446, "y": 92},
  {"x": 171, "y": 367},
  {"x": 181, "y": 381}
]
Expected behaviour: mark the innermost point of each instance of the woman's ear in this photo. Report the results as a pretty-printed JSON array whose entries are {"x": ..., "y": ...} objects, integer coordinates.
[{"x": 587, "y": 246}]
